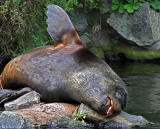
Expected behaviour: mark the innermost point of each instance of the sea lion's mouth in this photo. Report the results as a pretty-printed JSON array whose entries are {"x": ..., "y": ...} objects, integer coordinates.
[{"x": 109, "y": 107}]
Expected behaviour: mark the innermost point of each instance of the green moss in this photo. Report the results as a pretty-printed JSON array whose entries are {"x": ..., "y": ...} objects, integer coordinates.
[
  {"x": 132, "y": 52},
  {"x": 98, "y": 51}
]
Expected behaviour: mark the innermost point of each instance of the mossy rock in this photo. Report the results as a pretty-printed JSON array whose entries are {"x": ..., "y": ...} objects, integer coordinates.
[
  {"x": 128, "y": 51},
  {"x": 98, "y": 51}
]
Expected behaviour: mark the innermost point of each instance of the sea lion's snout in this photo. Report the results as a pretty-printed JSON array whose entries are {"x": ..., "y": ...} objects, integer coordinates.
[{"x": 117, "y": 101}]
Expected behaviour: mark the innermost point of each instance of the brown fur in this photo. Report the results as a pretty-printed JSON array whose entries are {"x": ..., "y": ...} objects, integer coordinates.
[
  {"x": 0, "y": 83},
  {"x": 70, "y": 39}
]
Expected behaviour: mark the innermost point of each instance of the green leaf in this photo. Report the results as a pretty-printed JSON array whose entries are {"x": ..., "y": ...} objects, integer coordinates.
[
  {"x": 130, "y": 1},
  {"x": 115, "y": 7},
  {"x": 135, "y": 1},
  {"x": 130, "y": 9},
  {"x": 136, "y": 6},
  {"x": 155, "y": 4},
  {"x": 115, "y": 1},
  {"x": 7, "y": 2},
  {"x": 76, "y": 114},
  {"x": 141, "y": 1},
  {"x": 121, "y": 9},
  {"x": 16, "y": 1},
  {"x": 127, "y": 6},
  {"x": 80, "y": 5}
]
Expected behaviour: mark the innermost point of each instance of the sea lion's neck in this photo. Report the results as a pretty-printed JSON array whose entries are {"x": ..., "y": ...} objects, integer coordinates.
[
  {"x": 71, "y": 37},
  {"x": 69, "y": 40}
]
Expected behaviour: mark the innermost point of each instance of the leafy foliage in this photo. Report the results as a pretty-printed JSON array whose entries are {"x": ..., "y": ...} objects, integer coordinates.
[
  {"x": 132, "y": 5},
  {"x": 24, "y": 21},
  {"x": 155, "y": 4},
  {"x": 80, "y": 117}
]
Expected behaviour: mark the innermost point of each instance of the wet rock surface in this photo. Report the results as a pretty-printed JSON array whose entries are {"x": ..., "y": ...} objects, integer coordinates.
[
  {"x": 44, "y": 113},
  {"x": 68, "y": 122},
  {"x": 61, "y": 115},
  {"x": 24, "y": 101},
  {"x": 8, "y": 94},
  {"x": 11, "y": 120},
  {"x": 121, "y": 120}
]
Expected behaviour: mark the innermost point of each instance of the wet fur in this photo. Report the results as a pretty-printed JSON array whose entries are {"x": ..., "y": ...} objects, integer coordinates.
[{"x": 66, "y": 72}]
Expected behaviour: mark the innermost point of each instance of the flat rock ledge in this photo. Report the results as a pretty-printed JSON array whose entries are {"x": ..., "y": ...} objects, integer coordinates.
[
  {"x": 24, "y": 101},
  {"x": 27, "y": 112}
]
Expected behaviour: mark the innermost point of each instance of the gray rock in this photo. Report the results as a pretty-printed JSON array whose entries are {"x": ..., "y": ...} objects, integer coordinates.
[
  {"x": 131, "y": 120},
  {"x": 11, "y": 120},
  {"x": 69, "y": 123},
  {"x": 23, "y": 102},
  {"x": 155, "y": 46},
  {"x": 9, "y": 94},
  {"x": 55, "y": 115},
  {"x": 40, "y": 114},
  {"x": 79, "y": 20},
  {"x": 106, "y": 6},
  {"x": 122, "y": 120},
  {"x": 142, "y": 27},
  {"x": 100, "y": 38}
]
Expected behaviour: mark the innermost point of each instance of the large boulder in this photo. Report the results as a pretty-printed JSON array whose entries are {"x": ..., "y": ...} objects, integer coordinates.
[{"x": 142, "y": 27}]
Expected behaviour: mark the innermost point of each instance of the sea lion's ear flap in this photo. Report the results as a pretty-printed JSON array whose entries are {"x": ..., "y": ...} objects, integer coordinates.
[{"x": 58, "y": 22}]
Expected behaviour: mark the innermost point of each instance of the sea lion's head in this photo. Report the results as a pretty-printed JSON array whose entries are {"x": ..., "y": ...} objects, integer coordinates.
[
  {"x": 103, "y": 90},
  {"x": 99, "y": 88},
  {"x": 117, "y": 99}
]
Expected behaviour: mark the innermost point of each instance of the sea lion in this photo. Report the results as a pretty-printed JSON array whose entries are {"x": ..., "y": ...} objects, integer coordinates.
[{"x": 66, "y": 72}]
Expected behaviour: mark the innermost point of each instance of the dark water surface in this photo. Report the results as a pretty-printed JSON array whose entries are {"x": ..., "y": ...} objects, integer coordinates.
[{"x": 143, "y": 84}]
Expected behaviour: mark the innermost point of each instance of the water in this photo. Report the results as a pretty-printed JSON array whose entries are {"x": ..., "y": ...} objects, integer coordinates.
[{"x": 143, "y": 84}]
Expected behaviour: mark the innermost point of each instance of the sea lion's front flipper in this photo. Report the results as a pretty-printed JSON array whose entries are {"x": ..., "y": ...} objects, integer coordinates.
[{"x": 60, "y": 27}]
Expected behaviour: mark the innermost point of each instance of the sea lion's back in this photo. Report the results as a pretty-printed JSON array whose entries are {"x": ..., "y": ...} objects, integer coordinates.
[{"x": 41, "y": 61}]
